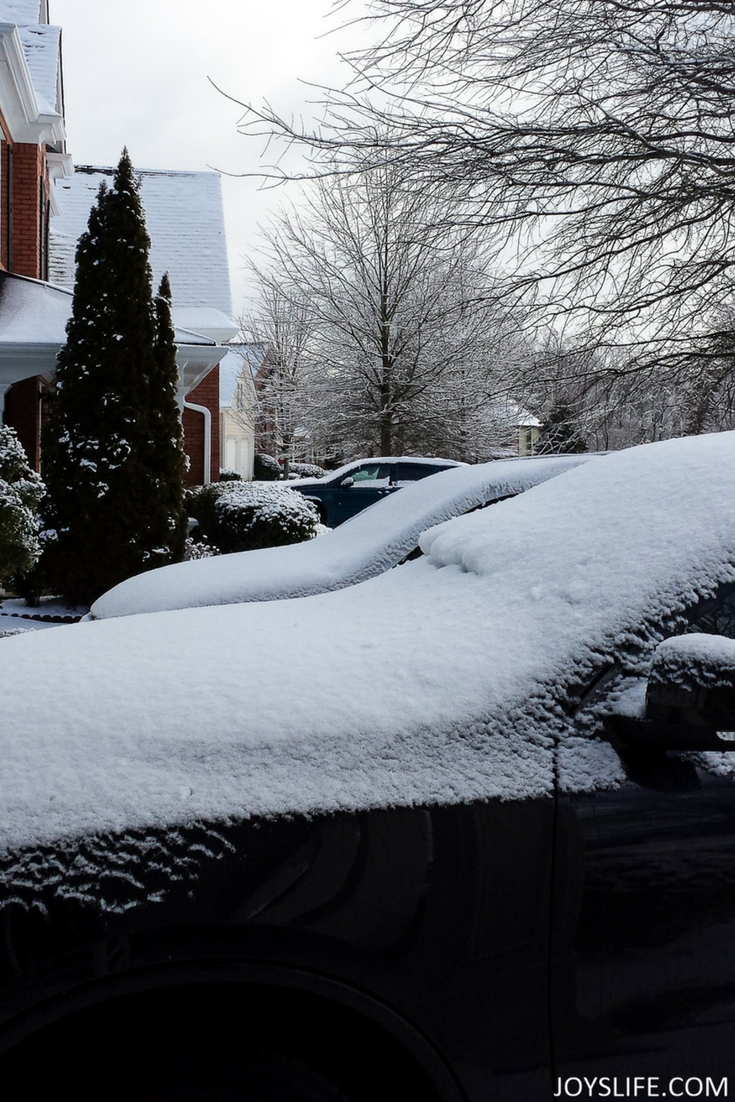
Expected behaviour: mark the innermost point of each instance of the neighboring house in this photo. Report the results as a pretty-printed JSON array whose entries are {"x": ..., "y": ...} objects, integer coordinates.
[
  {"x": 238, "y": 405},
  {"x": 185, "y": 223},
  {"x": 528, "y": 428},
  {"x": 40, "y": 223}
]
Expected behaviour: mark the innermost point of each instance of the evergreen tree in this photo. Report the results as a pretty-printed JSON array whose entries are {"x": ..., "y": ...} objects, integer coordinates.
[
  {"x": 113, "y": 464},
  {"x": 559, "y": 434}
]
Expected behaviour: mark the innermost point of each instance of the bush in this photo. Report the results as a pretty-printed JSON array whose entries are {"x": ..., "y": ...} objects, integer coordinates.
[
  {"x": 242, "y": 516},
  {"x": 306, "y": 470},
  {"x": 21, "y": 491},
  {"x": 228, "y": 475},
  {"x": 266, "y": 468}
]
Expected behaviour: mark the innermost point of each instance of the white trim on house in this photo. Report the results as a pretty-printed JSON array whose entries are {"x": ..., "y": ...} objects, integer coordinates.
[{"x": 26, "y": 121}]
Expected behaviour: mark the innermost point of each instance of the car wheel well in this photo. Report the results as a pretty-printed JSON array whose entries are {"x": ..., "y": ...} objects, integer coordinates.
[{"x": 178, "y": 1035}]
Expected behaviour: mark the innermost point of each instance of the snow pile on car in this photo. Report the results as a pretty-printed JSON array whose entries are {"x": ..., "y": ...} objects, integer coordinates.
[
  {"x": 366, "y": 545},
  {"x": 445, "y": 680}
]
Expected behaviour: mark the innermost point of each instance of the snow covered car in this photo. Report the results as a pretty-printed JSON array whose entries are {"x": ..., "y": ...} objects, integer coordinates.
[
  {"x": 347, "y": 491},
  {"x": 373, "y": 541},
  {"x": 462, "y": 832}
]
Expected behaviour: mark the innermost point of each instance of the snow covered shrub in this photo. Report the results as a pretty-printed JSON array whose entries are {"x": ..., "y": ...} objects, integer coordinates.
[
  {"x": 227, "y": 475},
  {"x": 196, "y": 550},
  {"x": 21, "y": 491},
  {"x": 242, "y": 516},
  {"x": 306, "y": 470},
  {"x": 266, "y": 468}
]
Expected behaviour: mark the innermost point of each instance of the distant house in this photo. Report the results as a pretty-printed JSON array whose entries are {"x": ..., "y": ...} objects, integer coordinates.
[
  {"x": 44, "y": 207},
  {"x": 528, "y": 428},
  {"x": 238, "y": 405}
]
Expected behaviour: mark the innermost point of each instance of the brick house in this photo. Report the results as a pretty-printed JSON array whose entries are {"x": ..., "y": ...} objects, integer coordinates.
[
  {"x": 32, "y": 155},
  {"x": 44, "y": 206}
]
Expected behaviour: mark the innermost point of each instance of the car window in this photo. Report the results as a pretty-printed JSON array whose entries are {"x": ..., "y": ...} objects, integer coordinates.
[
  {"x": 715, "y": 616},
  {"x": 376, "y": 472},
  {"x": 411, "y": 472}
]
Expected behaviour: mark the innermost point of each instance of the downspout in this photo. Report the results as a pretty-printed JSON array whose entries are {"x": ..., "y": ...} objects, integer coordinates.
[{"x": 207, "y": 414}]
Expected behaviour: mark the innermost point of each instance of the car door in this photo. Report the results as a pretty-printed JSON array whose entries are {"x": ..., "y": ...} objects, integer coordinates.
[
  {"x": 370, "y": 483},
  {"x": 643, "y": 930},
  {"x": 643, "y": 970}
]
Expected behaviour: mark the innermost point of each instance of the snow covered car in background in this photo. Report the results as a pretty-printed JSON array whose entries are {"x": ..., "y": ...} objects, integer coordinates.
[
  {"x": 343, "y": 493},
  {"x": 371, "y": 542},
  {"x": 466, "y": 828}
]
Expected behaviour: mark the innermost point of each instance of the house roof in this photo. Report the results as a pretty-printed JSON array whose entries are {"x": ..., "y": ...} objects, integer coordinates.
[
  {"x": 30, "y": 73},
  {"x": 22, "y": 12},
  {"x": 242, "y": 355},
  {"x": 185, "y": 222},
  {"x": 42, "y": 49}
]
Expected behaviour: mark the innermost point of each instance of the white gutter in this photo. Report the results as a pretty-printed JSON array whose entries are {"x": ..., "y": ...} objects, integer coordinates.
[{"x": 207, "y": 438}]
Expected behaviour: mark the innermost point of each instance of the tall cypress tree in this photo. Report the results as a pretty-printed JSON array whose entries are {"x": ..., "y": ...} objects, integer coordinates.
[{"x": 113, "y": 464}]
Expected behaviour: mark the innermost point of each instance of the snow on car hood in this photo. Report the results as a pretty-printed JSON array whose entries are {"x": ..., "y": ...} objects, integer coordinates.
[
  {"x": 364, "y": 546},
  {"x": 442, "y": 681}
]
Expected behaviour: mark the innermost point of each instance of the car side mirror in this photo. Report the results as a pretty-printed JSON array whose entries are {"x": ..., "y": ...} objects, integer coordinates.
[
  {"x": 347, "y": 482},
  {"x": 690, "y": 697}
]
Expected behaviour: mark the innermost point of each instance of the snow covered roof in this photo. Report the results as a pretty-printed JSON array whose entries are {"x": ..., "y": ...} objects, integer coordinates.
[
  {"x": 30, "y": 75},
  {"x": 444, "y": 680},
  {"x": 368, "y": 544},
  {"x": 22, "y": 12},
  {"x": 33, "y": 317},
  {"x": 185, "y": 221},
  {"x": 42, "y": 48}
]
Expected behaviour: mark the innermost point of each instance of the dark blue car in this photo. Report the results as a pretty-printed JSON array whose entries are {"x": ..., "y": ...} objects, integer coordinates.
[{"x": 354, "y": 487}]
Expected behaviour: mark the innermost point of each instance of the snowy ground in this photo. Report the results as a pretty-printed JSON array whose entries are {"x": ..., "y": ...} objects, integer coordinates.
[{"x": 16, "y": 616}]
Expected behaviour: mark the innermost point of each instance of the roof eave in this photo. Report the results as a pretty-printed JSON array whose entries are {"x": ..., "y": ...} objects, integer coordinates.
[{"x": 27, "y": 123}]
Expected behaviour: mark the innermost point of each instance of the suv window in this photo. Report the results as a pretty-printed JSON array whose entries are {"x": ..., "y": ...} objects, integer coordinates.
[
  {"x": 716, "y": 616},
  {"x": 373, "y": 473},
  {"x": 412, "y": 472}
]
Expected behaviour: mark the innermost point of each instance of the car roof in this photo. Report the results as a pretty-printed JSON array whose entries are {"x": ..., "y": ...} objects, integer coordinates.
[
  {"x": 367, "y": 544},
  {"x": 392, "y": 460},
  {"x": 444, "y": 681}
]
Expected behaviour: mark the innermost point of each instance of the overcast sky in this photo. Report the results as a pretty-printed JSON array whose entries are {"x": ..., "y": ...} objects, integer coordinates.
[{"x": 136, "y": 74}]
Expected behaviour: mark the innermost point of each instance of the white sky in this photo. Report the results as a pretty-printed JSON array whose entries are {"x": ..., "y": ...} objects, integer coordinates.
[{"x": 135, "y": 74}]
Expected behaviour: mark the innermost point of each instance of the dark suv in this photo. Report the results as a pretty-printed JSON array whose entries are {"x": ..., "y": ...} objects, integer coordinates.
[{"x": 351, "y": 488}]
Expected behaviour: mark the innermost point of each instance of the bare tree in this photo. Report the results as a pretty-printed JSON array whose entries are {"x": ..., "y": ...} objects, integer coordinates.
[
  {"x": 594, "y": 137},
  {"x": 406, "y": 346},
  {"x": 281, "y": 322}
]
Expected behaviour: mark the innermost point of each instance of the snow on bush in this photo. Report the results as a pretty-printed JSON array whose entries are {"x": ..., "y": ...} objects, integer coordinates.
[
  {"x": 266, "y": 467},
  {"x": 21, "y": 490},
  {"x": 242, "y": 516},
  {"x": 228, "y": 475},
  {"x": 305, "y": 470},
  {"x": 194, "y": 549}
]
